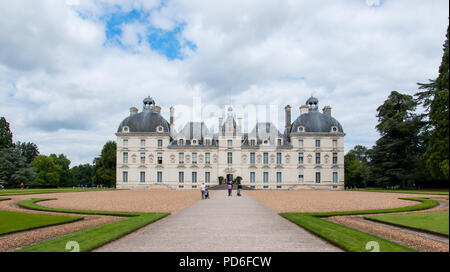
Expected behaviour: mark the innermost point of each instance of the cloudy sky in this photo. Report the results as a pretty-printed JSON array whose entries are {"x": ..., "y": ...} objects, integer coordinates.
[{"x": 70, "y": 70}]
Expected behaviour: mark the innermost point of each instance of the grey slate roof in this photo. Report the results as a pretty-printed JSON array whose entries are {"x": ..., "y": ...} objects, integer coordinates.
[
  {"x": 195, "y": 130},
  {"x": 144, "y": 122},
  {"x": 316, "y": 122}
]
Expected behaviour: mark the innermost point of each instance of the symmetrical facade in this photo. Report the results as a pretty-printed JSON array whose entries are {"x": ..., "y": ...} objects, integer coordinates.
[{"x": 308, "y": 154}]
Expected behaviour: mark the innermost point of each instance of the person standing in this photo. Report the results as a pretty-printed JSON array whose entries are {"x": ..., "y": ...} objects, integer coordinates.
[
  {"x": 203, "y": 188},
  {"x": 239, "y": 188},
  {"x": 21, "y": 185},
  {"x": 230, "y": 188}
]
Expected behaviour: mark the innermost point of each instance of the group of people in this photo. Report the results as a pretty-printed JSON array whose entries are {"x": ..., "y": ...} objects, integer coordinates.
[{"x": 205, "y": 192}]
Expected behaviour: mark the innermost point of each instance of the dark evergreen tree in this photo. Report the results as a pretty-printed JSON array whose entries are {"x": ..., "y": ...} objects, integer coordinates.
[
  {"x": 28, "y": 150},
  {"x": 14, "y": 169},
  {"x": 105, "y": 166},
  {"x": 5, "y": 134}
]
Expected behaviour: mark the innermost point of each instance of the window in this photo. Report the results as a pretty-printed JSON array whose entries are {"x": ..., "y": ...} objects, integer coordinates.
[
  {"x": 300, "y": 158},
  {"x": 229, "y": 157},
  {"x": 160, "y": 129},
  {"x": 194, "y": 158},
  {"x": 279, "y": 158},
  {"x": 208, "y": 142},
  {"x": 334, "y": 129},
  {"x": 252, "y": 177},
  {"x": 159, "y": 177},
  {"x": 125, "y": 142},
  {"x": 252, "y": 142},
  {"x": 207, "y": 177},
  {"x": 142, "y": 157},
  {"x": 317, "y": 158},
  {"x": 207, "y": 158},
  {"x": 334, "y": 143},
  {"x": 317, "y": 143},
  {"x": 252, "y": 158},
  {"x": 335, "y": 177},
  {"x": 194, "y": 177},
  {"x": 230, "y": 143},
  {"x": 125, "y": 176},
  {"x": 194, "y": 141},
  {"x": 160, "y": 143},
  {"x": 300, "y": 143},
  {"x": 335, "y": 158},
  {"x": 300, "y": 176},
  {"x": 266, "y": 177},
  {"x": 181, "y": 158},
  {"x": 180, "y": 142},
  {"x": 266, "y": 158},
  {"x": 142, "y": 142},
  {"x": 125, "y": 129},
  {"x": 279, "y": 177},
  {"x": 142, "y": 177},
  {"x": 317, "y": 177},
  {"x": 125, "y": 157},
  {"x": 180, "y": 177},
  {"x": 279, "y": 142},
  {"x": 301, "y": 129},
  {"x": 160, "y": 158}
]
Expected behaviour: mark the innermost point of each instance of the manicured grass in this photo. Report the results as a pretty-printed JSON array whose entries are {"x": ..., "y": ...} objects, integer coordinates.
[
  {"x": 92, "y": 238},
  {"x": 47, "y": 191},
  {"x": 351, "y": 239},
  {"x": 4, "y": 198},
  {"x": 436, "y": 222},
  {"x": 426, "y": 191},
  {"x": 15, "y": 221}
]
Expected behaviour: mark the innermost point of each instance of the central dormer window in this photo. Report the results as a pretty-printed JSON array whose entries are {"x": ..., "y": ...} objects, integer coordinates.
[
  {"x": 301, "y": 129},
  {"x": 194, "y": 142},
  {"x": 180, "y": 142},
  {"x": 159, "y": 129},
  {"x": 208, "y": 142},
  {"x": 252, "y": 142},
  {"x": 279, "y": 142}
]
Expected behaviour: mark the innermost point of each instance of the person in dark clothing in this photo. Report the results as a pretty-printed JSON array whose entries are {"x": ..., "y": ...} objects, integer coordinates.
[{"x": 239, "y": 188}]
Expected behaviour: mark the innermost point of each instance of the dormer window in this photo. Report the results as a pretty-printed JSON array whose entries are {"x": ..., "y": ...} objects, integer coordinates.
[
  {"x": 160, "y": 129},
  {"x": 180, "y": 142},
  {"x": 334, "y": 129},
  {"x": 125, "y": 129},
  {"x": 301, "y": 129},
  {"x": 208, "y": 142},
  {"x": 252, "y": 142},
  {"x": 194, "y": 142},
  {"x": 266, "y": 142}
]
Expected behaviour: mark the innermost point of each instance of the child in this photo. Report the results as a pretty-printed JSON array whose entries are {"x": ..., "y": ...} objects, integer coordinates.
[{"x": 206, "y": 193}]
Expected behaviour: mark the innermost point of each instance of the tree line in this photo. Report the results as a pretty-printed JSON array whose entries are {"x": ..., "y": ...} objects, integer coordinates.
[
  {"x": 21, "y": 163},
  {"x": 413, "y": 148}
]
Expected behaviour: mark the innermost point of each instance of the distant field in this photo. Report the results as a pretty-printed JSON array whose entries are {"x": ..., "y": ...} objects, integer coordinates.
[
  {"x": 434, "y": 222},
  {"x": 46, "y": 191},
  {"x": 425, "y": 191},
  {"x": 15, "y": 221}
]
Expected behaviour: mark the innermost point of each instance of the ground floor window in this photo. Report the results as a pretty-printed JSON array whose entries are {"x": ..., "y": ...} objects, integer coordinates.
[
  {"x": 159, "y": 177},
  {"x": 180, "y": 177},
  {"x": 252, "y": 177},
  {"x": 279, "y": 177},
  {"x": 207, "y": 177},
  {"x": 317, "y": 177},
  {"x": 142, "y": 177},
  {"x": 300, "y": 176},
  {"x": 125, "y": 176},
  {"x": 335, "y": 177},
  {"x": 194, "y": 177},
  {"x": 266, "y": 177}
]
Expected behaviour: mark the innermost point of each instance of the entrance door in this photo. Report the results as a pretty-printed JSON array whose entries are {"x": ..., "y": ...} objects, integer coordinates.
[{"x": 229, "y": 178}]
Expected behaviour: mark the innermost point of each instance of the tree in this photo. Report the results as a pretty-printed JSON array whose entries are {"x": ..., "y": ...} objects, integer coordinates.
[
  {"x": 357, "y": 172},
  {"x": 82, "y": 174},
  {"x": 48, "y": 172},
  {"x": 14, "y": 170},
  {"x": 396, "y": 155},
  {"x": 105, "y": 166},
  {"x": 5, "y": 134},
  {"x": 28, "y": 150},
  {"x": 434, "y": 97},
  {"x": 65, "y": 175}
]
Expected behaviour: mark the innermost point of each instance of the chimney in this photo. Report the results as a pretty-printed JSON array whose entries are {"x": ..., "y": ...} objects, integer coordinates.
[
  {"x": 327, "y": 110},
  {"x": 172, "y": 114},
  {"x": 156, "y": 109},
  {"x": 220, "y": 124},
  {"x": 304, "y": 109},
  {"x": 133, "y": 111},
  {"x": 287, "y": 111}
]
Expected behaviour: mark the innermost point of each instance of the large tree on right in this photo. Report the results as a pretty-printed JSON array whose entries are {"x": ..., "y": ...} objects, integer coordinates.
[{"x": 434, "y": 97}]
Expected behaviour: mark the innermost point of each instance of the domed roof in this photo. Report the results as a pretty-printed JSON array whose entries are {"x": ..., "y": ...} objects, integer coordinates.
[
  {"x": 316, "y": 122},
  {"x": 146, "y": 121}
]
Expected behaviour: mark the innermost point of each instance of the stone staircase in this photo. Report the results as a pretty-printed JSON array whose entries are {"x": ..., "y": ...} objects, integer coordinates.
[{"x": 224, "y": 186}]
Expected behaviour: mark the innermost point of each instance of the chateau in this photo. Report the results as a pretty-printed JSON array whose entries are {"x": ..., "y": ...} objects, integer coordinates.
[{"x": 308, "y": 154}]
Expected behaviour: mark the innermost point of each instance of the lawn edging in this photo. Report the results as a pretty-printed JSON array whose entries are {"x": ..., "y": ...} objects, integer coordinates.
[
  {"x": 351, "y": 239},
  {"x": 91, "y": 238}
]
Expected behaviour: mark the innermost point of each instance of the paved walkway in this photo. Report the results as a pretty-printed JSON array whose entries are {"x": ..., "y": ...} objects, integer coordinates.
[{"x": 219, "y": 224}]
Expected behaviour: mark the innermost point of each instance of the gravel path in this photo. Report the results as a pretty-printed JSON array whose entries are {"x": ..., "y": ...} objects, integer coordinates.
[{"x": 222, "y": 223}]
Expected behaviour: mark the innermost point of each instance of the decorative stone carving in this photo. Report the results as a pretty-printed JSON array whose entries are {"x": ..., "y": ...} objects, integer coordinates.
[
  {"x": 244, "y": 158},
  {"x": 309, "y": 158},
  {"x": 172, "y": 158},
  {"x": 151, "y": 158}
]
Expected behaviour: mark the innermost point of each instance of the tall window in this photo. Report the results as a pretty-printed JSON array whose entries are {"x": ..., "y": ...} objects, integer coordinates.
[
  {"x": 300, "y": 143},
  {"x": 207, "y": 177},
  {"x": 180, "y": 177},
  {"x": 160, "y": 158},
  {"x": 180, "y": 142},
  {"x": 142, "y": 142},
  {"x": 207, "y": 158},
  {"x": 266, "y": 177},
  {"x": 159, "y": 177},
  {"x": 317, "y": 143},
  {"x": 125, "y": 157},
  {"x": 230, "y": 143},
  {"x": 300, "y": 176},
  {"x": 252, "y": 158},
  {"x": 279, "y": 142},
  {"x": 181, "y": 158},
  {"x": 208, "y": 142},
  {"x": 266, "y": 158},
  {"x": 279, "y": 177},
  {"x": 125, "y": 176},
  {"x": 142, "y": 177},
  {"x": 335, "y": 158},
  {"x": 252, "y": 142},
  {"x": 252, "y": 177},
  {"x": 194, "y": 177},
  {"x": 142, "y": 157},
  {"x": 194, "y": 158},
  {"x": 125, "y": 142},
  {"x": 279, "y": 158},
  {"x": 335, "y": 177},
  {"x": 317, "y": 158},
  {"x": 317, "y": 177},
  {"x": 300, "y": 158},
  {"x": 160, "y": 143},
  {"x": 229, "y": 157}
]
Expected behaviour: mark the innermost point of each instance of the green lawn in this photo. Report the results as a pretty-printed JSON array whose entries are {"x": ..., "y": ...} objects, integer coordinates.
[
  {"x": 15, "y": 221},
  {"x": 424, "y": 191},
  {"x": 348, "y": 238},
  {"x": 92, "y": 238},
  {"x": 436, "y": 222},
  {"x": 4, "y": 198},
  {"x": 46, "y": 191}
]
